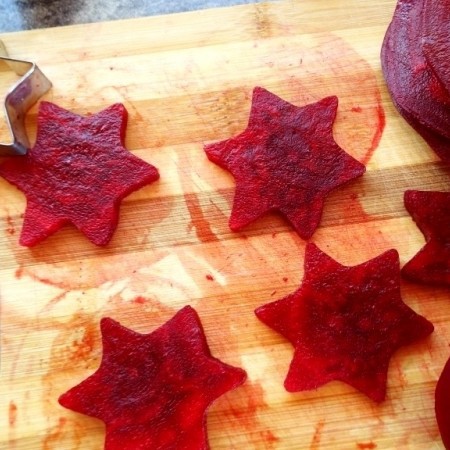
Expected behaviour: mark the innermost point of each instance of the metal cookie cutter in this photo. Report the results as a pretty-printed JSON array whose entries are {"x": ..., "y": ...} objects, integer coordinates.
[{"x": 19, "y": 99}]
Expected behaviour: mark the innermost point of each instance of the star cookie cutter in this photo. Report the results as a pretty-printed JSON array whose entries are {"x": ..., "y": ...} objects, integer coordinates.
[{"x": 19, "y": 99}]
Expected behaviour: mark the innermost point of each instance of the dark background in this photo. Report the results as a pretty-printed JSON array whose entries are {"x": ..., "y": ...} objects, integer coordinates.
[{"x": 18, "y": 15}]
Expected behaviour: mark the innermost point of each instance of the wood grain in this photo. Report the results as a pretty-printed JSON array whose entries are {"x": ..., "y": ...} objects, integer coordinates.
[{"x": 187, "y": 79}]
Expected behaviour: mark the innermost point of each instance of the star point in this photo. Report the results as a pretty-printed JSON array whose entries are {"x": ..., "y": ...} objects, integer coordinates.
[{"x": 431, "y": 212}]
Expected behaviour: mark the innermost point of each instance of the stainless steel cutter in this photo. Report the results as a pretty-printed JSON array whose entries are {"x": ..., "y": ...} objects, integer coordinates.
[{"x": 19, "y": 99}]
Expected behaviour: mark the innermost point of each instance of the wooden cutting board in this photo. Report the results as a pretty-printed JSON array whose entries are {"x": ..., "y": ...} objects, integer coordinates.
[{"x": 186, "y": 80}]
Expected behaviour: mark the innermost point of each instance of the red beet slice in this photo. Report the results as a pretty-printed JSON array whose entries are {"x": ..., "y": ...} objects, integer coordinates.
[
  {"x": 415, "y": 90},
  {"x": 442, "y": 404},
  {"x": 431, "y": 212},
  {"x": 438, "y": 143},
  {"x": 153, "y": 390},
  {"x": 285, "y": 160},
  {"x": 78, "y": 171},
  {"x": 436, "y": 38},
  {"x": 345, "y": 323}
]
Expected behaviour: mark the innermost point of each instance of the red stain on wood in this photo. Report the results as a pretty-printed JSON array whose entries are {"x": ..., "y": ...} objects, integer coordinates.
[
  {"x": 10, "y": 229},
  {"x": 54, "y": 301},
  {"x": 241, "y": 413},
  {"x": 269, "y": 438},
  {"x": 347, "y": 206},
  {"x": 317, "y": 436},
  {"x": 54, "y": 435},
  {"x": 252, "y": 401},
  {"x": 198, "y": 221},
  {"x": 83, "y": 346},
  {"x": 19, "y": 272},
  {"x": 353, "y": 210},
  {"x": 92, "y": 274},
  {"x": 12, "y": 413},
  {"x": 378, "y": 129},
  {"x": 197, "y": 212},
  {"x": 209, "y": 277},
  {"x": 366, "y": 446}
]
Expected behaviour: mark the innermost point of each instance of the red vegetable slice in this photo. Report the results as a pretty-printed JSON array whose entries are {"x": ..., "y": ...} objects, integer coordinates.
[
  {"x": 431, "y": 212},
  {"x": 286, "y": 160},
  {"x": 417, "y": 92},
  {"x": 153, "y": 390},
  {"x": 78, "y": 171},
  {"x": 345, "y": 323},
  {"x": 439, "y": 143},
  {"x": 442, "y": 404},
  {"x": 436, "y": 38}
]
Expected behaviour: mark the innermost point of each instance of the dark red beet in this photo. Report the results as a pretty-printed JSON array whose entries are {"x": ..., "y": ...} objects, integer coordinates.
[
  {"x": 417, "y": 92},
  {"x": 437, "y": 142},
  {"x": 153, "y": 390},
  {"x": 431, "y": 212},
  {"x": 345, "y": 323},
  {"x": 442, "y": 404},
  {"x": 436, "y": 38},
  {"x": 78, "y": 171},
  {"x": 286, "y": 160}
]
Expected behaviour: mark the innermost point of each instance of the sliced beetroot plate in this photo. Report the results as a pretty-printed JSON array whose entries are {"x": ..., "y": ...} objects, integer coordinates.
[
  {"x": 431, "y": 212},
  {"x": 345, "y": 323},
  {"x": 78, "y": 171},
  {"x": 442, "y": 405},
  {"x": 415, "y": 89},
  {"x": 285, "y": 160},
  {"x": 436, "y": 38},
  {"x": 152, "y": 390}
]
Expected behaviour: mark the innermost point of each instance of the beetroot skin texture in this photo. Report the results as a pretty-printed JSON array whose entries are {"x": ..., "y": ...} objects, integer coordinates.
[
  {"x": 442, "y": 405},
  {"x": 78, "y": 171},
  {"x": 436, "y": 38},
  {"x": 152, "y": 390},
  {"x": 431, "y": 212},
  {"x": 345, "y": 323},
  {"x": 408, "y": 63},
  {"x": 286, "y": 160}
]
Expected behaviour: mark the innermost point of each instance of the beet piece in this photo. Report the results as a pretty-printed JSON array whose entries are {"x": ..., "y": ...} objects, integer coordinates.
[
  {"x": 436, "y": 38},
  {"x": 442, "y": 404},
  {"x": 153, "y": 390},
  {"x": 78, "y": 171},
  {"x": 431, "y": 212},
  {"x": 439, "y": 144},
  {"x": 416, "y": 91},
  {"x": 285, "y": 160},
  {"x": 345, "y": 323}
]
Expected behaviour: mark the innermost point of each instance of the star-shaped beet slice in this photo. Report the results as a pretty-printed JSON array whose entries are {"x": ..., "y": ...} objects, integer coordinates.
[
  {"x": 345, "y": 323},
  {"x": 431, "y": 212},
  {"x": 153, "y": 390},
  {"x": 285, "y": 160},
  {"x": 78, "y": 171}
]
